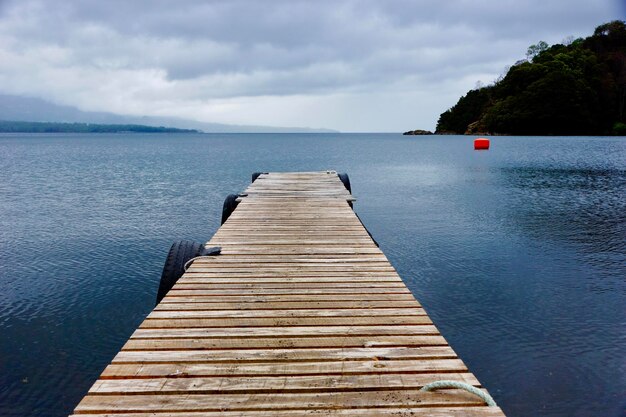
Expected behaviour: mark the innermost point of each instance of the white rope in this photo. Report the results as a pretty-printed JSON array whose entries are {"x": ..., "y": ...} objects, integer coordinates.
[
  {"x": 460, "y": 385},
  {"x": 212, "y": 255},
  {"x": 189, "y": 262}
]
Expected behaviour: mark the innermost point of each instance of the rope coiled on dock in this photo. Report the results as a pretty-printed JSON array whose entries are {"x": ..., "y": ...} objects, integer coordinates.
[{"x": 460, "y": 385}]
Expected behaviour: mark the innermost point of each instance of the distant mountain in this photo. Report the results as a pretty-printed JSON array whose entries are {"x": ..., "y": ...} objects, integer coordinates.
[
  {"x": 28, "y": 109},
  {"x": 56, "y": 127}
]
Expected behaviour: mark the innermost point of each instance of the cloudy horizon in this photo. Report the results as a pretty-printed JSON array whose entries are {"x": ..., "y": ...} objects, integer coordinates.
[{"x": 348, "y": 65}]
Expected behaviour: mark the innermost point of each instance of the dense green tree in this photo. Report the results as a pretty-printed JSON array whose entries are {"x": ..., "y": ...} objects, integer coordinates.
[
  {"x": 534, "y": 50},
  {"x": 578, "y": 88},
  {"x": 467, "y": 110},
  {"x": 532, "y": 111}
]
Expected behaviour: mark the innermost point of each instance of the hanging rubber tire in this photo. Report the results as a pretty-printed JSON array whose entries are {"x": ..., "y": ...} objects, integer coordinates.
[
  {"x": 174, "y": 268},
  {"x": 255, "y": 175},
  {"x": 346, "y": 181},
  {"x": 230, "y": 204}
]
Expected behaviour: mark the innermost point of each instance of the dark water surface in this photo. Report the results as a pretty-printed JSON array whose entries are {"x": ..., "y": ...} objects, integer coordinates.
[{"x": 518, "y": 253}]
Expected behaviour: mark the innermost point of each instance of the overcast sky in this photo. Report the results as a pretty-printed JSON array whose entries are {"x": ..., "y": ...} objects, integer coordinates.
[{"x": 379, "y": 65}]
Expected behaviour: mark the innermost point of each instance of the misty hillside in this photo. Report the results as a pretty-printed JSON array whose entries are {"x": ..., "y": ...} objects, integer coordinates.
[{"x": 26, "y": 109}]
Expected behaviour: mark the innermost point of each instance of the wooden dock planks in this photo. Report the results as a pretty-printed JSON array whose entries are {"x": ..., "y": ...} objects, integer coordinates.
[{"x": 300, "y": 315}]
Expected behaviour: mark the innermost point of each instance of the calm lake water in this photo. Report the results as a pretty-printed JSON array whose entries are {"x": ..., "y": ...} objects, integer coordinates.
[{"x": 518, "y": 253}]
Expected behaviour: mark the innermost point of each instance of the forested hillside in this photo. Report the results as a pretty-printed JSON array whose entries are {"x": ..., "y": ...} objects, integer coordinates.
[{"x": 575, "y": 88}]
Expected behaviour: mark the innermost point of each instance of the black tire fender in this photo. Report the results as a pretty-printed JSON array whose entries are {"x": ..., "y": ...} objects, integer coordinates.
[
  {"x": 346, "y": 181},
  {"x": 256, "y": 175},
  {"x": 174, "y": 267},
  {"x": 230, "y": 204}
]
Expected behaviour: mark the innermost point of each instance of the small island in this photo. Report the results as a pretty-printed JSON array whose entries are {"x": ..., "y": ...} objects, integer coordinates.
[
  {"x": 418, "y": 132},
  {"x": 53, "y": 127}
]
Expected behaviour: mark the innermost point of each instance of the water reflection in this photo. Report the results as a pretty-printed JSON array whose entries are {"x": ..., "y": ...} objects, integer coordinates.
[
  {"x": 517, "y": 253},
  {"x": 585, "y": 207}
]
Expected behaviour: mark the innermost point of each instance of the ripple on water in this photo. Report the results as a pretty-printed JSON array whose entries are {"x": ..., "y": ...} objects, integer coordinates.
[{"x": 517, "y": 253}]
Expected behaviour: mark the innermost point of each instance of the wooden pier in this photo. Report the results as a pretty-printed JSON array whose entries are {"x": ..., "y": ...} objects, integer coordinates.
[{"x": 300, "y": 315}]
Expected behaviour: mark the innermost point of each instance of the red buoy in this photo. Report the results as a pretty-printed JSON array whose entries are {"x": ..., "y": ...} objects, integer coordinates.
[{"x": 481, "y": 143}]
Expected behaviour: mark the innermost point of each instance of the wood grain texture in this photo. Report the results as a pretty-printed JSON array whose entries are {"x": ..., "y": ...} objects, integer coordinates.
[
  {"x": 300, "y": 315},
  {"x": 316, "y": 412}
]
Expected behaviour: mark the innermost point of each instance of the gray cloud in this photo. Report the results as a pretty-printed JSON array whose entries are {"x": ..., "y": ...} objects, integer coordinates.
[{"x": 277, "y": 62}]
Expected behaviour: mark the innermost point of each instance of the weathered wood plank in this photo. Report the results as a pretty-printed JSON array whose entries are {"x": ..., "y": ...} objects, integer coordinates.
[
  {"x": 334, "y": 312},
  {"x": 281, "y": 322},
  {"x": 252, "y": 401},
  {"x": 405, "y": 411},
  {"x": 285, "y": 332},
  {"x": 208, "y": 283},
  {"x": 295, "y": 342},
  {"x": 287, "y": 355},
  {"x": 273, "y": 384},
  {"x": 284, "y": 305},
  {"x": 263, "y": 250},
  {"x": 263, "y": 257},
  {"x": 172, "y": 298},
  {"x": 293, "y": 301},
  {"x": 230, "y": 370},
  {"x": 372, "y": 291},
  {"x": 262, "y": 265},
  {"x": 322, "y": 271},
  {"x": 294, "y": 274}
]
